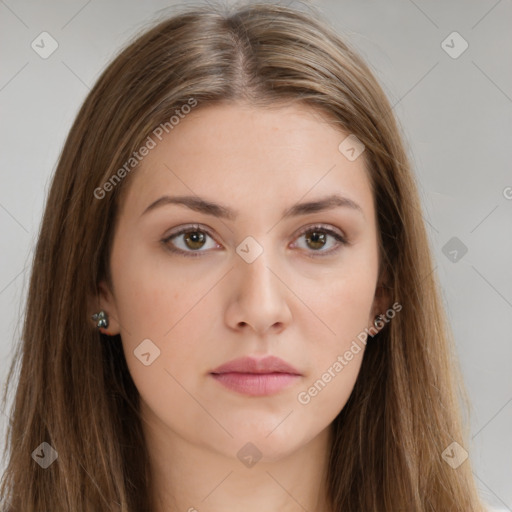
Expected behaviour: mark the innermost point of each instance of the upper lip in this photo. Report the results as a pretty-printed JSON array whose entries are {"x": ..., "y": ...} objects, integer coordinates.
[{"x": 268, "y": 364}]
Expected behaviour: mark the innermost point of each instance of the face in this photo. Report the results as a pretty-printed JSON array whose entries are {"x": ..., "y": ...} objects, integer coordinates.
[{"x": 242, "y": 270}]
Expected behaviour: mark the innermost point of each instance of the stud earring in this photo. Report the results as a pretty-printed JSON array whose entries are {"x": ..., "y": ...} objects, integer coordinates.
[
  {"x": 378, "y": 319},
  {"x": 101, "y": 319}
]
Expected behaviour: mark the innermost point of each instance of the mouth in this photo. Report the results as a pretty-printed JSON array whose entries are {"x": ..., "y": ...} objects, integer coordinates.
[{"x": 256, "y": 377}]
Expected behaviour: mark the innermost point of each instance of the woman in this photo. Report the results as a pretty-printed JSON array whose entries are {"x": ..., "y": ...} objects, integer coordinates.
[{"x": 235, "y": 210}]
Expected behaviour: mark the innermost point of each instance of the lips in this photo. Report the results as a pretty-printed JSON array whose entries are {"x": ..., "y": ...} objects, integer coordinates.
[
  {"x": 256, "y": 377},
  {"x": 268, "y": 364}
]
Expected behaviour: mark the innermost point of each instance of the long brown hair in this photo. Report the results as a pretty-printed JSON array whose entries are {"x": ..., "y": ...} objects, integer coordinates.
[{"x": 74, "y": 390}]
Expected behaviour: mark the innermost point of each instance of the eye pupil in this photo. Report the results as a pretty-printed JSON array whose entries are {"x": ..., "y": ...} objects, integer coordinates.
[
  {"x": 316, "y": 238},
  {"x": 195, "y": 237}
]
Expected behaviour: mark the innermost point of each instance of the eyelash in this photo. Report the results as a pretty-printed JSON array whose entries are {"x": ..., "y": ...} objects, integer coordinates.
[{"x": 318, "y": 228}]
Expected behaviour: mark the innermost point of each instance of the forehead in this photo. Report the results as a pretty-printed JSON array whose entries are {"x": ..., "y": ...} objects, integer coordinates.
[{"x": 249, "y": 156}]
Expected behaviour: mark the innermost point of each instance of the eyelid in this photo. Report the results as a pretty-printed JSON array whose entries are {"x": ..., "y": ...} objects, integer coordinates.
[
  {"x": 324, "y": 227},
  {"x": 184, "y": 228}
]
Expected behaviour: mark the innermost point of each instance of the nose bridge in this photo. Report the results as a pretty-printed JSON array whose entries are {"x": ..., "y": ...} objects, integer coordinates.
[
  {"x": 260, "y": 295},
  {"x": 256, "y": 277}
]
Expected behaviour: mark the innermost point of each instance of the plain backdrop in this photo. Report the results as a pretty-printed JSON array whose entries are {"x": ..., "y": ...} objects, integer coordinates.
[{"x": 454, "y": 105}]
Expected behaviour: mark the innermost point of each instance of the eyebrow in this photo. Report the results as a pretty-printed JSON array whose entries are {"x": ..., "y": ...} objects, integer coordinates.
[{"x": 217, "y": 210}]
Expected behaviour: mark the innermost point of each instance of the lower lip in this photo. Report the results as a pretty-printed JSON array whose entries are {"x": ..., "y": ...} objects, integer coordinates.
[{"x": 255, "y": 384}]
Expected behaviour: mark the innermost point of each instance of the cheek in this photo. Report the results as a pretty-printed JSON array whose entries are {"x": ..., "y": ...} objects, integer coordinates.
[
  {"x": 341, "y": 302},
  {"x": 154, "y": 296},
  {"x": 328, "y": 389},
  {"x": 335, "y": 340},
  {"x": 163, "y": 321},
  {"x": 176, "y": 317},
  {"x": 336, "y": 355}
]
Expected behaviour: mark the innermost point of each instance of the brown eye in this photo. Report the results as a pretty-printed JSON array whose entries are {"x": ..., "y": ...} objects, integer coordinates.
[
  {"x": 190, "y": 241},
  {"x": 194, "y": 239},
  {"x": 316, "y": 240},
  {"x": 320, "y": 241}
]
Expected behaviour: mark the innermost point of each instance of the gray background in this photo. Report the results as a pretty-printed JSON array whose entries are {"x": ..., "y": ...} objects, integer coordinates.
[{"x": 456, "y": 114}]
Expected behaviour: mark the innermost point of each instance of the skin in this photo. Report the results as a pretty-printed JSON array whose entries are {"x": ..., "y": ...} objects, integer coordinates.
[{"x": 204, "y": 311}]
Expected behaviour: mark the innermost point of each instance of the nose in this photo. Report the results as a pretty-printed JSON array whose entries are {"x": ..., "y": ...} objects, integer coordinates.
[{"x": 259, "y": 298}]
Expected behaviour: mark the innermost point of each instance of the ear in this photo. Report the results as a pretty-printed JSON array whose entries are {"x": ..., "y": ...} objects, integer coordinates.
[
  {"x": 105, "y": 301},
  {"x": 381, "y": 300}
]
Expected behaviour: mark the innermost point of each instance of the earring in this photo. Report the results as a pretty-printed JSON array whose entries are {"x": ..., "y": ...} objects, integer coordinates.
[
  {"x": 101, "y": 319},
  {"x": 378, "y": 318}
]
